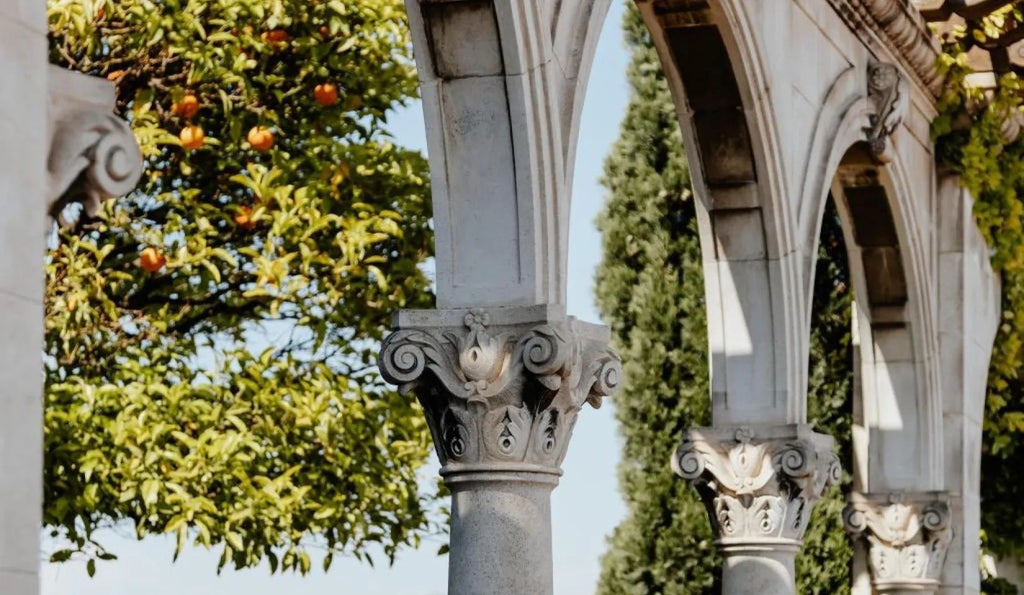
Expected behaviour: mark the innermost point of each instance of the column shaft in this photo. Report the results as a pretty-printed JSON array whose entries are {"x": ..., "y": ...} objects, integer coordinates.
[
  {"x": 500, "y": 537},
  {"x": 759, "y": 570}
]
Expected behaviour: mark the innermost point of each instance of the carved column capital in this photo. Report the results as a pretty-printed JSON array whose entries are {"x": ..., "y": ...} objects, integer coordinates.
[
  {"x": 93, "y": 153},
  {"x": 501, "y": 387},
  {"x": 907, "y": 536},
  {"x": 759, "y": 484}
]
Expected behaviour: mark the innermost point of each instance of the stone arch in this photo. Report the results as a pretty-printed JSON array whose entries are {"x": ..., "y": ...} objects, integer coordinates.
[
  {"x": 894, "y": 258},
  {"x": 752, "y": 273},
  {"x": 897, "y": 406}
]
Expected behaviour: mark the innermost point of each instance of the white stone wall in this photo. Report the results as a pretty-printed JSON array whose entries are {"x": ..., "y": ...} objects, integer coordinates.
[{"x": 23, "y": 154}]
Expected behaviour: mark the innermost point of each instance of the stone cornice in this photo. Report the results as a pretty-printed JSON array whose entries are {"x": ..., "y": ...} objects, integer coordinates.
[
  {"x": 501, "y": 387},
  {"x": 899, "y": 25},
  {"x": 93, "y": 153}
]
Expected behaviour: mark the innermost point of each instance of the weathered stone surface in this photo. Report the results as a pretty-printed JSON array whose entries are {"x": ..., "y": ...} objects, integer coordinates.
[
  {"x": 502, "y": 389},
  {"x": 23, "y": 120},
  {"x": 759, "y": 485},
  {"x": 907, "y": 536}
]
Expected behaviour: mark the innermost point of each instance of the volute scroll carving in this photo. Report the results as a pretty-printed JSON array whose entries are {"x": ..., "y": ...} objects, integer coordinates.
[
  {"x": 906, "y": 535},
  {"x": 93, "y": 154},
  {"x": 500, "y": 393},
  {"x": 759, "y": 485}
]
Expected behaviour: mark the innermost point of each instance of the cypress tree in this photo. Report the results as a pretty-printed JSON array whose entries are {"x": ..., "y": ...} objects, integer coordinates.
[{"x": 650, "y": 291}]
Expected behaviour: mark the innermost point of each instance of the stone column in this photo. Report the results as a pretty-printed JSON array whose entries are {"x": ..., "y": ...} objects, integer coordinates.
[
  {"x": 23, "y": 194},
  {"x": 905, "y": 536},
  {"x": 501, "y": 388},
  {"x": 759, "y": 486}
]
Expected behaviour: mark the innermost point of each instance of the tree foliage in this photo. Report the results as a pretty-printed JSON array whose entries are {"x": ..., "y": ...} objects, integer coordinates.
[
  {"x": 210, "y": 339},
  {"x": 650, "y": 290}
]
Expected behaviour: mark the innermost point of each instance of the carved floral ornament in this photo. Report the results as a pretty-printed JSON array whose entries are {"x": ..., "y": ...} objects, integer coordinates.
[
  {"x": 758, "y": 489},
  {"x": 501, "y": 396},
  {"x": 907, "y": 538}
]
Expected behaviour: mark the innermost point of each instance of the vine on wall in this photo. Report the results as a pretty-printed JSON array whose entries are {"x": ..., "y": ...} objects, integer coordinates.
[{"x": 978, "y": 136}]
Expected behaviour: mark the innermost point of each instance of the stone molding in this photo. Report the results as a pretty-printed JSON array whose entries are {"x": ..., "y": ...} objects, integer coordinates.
[
  {"x": 907, "y": 536},
  {"x": 899, "y": 25},
  {"x": 501, "y": 387},
  {"x": 93, "y": 153},
  {"x": 759, "y": 484}
]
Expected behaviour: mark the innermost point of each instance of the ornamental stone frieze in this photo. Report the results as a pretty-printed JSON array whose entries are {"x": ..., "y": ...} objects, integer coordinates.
[
  {"x": 759, "y": 484},
  {"x": 906, "y": 535},
  {"x": 93, "y": 153},
  {"x": 501, "y": 387}
]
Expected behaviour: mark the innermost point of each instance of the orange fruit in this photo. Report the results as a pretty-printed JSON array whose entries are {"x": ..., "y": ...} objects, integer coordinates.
[
  {"x": 277, "y": 38},
  {"x": 244, "y": 218},
  {"x": 261, "y": 138},
  {"x": 187, "y": 107},
  {"x": 324, "y": 31},
  {"x": 152, "y": 260},
  {"x": 191, "y": 136},
  {"x": 326, "y": 94}
]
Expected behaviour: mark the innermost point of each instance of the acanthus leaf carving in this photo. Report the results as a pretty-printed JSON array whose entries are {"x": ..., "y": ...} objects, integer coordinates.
[
  {"x": 758, "y": 487},
  {"x": 907, "y": 536},
  {"x": 496, "y": 392}
]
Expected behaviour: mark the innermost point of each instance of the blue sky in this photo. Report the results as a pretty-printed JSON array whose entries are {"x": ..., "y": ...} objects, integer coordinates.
[{"x": 585, "y": 507}]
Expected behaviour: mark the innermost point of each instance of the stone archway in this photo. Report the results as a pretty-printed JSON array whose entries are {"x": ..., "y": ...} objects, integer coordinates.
[
  {"x": 771, "y": 95},
  {"x": 897, "y": 512}
]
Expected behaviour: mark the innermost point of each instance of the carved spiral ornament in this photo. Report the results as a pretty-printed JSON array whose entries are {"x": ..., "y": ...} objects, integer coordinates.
[
  {"x": 499, "y": 394},
  {"x": 93, "y": 156},
  {"x": 907, "y": 536},
  {"x": 609, "y": 378},
  {"x": 935, "y": 517},
  {"x": 855, "y": 521},
  {"x": 117, "y": 162},
  {"x": 544, "y": 351},
  {"x": 794, "y": 461},
  {"x": 689, "y": 463},
  {"x": 403, "y": 360}
]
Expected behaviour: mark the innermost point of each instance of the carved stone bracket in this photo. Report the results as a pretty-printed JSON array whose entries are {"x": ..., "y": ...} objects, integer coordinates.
[
  {"x": 501, "y": 387},
  {"x": 888, "y": 95},
  {"x": 93, "y": 153},
  {"x": 907, "y": 536},
  {"x": 759, "y": 484},
  {"x": 902, "y": 28}
]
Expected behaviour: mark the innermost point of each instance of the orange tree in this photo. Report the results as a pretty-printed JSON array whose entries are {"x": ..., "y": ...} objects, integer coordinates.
[{"x": 210, "y": 339}]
